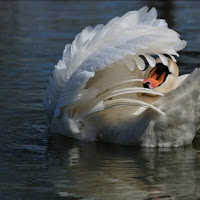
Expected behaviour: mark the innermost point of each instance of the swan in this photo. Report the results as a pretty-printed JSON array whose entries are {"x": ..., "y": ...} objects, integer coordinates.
[{"x": 102, "y": 89}]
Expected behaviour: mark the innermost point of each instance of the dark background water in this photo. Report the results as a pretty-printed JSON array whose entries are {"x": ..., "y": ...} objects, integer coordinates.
[{"x": 35, "y": 165}]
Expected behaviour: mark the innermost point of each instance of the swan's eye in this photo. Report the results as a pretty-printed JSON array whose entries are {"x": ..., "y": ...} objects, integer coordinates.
[{"x": 156, "y": 76}]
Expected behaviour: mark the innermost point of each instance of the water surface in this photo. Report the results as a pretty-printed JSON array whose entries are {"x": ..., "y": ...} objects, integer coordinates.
[{"x": 35, "y": 165}]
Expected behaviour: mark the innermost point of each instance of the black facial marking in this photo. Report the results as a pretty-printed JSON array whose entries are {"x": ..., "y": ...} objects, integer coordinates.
[{"x": 160, "y": 70}]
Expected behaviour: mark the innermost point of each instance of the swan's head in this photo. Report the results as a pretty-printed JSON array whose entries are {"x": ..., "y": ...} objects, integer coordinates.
[{"x": 162, "y": 78}]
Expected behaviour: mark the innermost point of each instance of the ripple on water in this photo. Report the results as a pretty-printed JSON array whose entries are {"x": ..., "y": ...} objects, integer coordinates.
[{"x": 34, "y": 166}]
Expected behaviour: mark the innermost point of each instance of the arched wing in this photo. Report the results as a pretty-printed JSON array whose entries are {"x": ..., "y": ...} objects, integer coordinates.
[{"x": 127, "y": 38}]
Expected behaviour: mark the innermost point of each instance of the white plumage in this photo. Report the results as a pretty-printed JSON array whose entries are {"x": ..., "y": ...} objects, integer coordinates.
[{"x": 106, "y": 63}]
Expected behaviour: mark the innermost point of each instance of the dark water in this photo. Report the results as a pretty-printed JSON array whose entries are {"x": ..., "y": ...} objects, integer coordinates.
[{"x": 34, "y": 165}]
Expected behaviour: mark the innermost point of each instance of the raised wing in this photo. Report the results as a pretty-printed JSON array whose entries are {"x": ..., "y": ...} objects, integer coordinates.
[{"x": 124, "y": 39}]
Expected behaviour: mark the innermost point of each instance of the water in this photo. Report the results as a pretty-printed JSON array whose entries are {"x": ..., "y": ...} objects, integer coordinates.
[{"x": 35, "y": 165}]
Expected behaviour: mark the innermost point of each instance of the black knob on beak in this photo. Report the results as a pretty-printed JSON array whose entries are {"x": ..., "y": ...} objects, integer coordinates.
[{"x": 146, "y": 85}]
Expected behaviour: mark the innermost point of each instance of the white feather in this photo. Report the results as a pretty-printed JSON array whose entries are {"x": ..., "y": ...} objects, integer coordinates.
[
  {"x": 163, "y": 59},
  {"x": 130, "y": 64},
  {"x": 139, "y": 62},
  {"x": 150, "y": 60},
  {"x": 121, "y": 102},
  {"x": 131, "y": 91},
  {"x": 173, "y": 58}
]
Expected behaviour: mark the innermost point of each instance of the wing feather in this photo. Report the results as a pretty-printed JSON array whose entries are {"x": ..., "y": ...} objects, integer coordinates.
[{"x": 134, "y": 34}]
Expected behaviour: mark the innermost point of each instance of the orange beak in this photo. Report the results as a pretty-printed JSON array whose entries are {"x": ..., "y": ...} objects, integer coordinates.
[{"x": 154, "y": 80}]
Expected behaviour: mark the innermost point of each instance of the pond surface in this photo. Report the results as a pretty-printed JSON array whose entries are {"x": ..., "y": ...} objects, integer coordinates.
[{"x": 35, "y": 165}]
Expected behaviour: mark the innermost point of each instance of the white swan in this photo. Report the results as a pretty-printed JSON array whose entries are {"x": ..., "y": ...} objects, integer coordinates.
[{"x": 100, "y": 91}]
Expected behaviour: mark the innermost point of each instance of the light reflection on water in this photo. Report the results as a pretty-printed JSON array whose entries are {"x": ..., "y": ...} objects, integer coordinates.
[
  {"x": 109, "y": 171},
  {"x": 37, "y": 166}
]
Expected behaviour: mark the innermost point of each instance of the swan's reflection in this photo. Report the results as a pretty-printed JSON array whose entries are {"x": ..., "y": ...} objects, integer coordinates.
[{"x": 105, "y": 171}]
